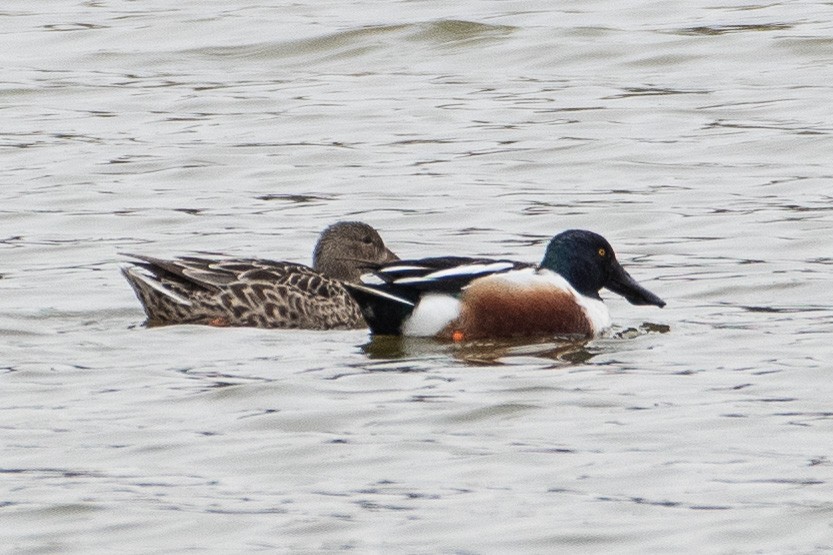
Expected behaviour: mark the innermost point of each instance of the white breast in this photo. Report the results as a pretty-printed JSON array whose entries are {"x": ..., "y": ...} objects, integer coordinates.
[{"x": 596, "y": 312}]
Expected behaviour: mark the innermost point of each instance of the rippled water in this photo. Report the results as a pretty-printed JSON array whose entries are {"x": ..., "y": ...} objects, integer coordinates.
[{"x": 696, "y": 136}]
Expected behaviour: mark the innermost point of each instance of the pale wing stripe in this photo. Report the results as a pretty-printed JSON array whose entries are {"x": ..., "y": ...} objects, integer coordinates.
[
  {"x": 153, "y": 284},
  {"x": 379, "y": 293},
  {"x": 403, "y": 268},
  {"x": 459, "y": 271},
  {"x": 372, "y": 279}
]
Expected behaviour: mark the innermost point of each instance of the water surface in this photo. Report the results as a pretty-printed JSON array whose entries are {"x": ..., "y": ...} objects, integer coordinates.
[{"x": 696, "y": 137}]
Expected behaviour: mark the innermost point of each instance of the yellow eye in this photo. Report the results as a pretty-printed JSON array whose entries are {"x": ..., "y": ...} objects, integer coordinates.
[{"x": 602, "y": 251}]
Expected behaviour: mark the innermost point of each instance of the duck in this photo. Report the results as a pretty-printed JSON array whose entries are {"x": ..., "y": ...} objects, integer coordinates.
[
  {"x": 461, "y": 298},
  {"x": 253, "y": 292}
]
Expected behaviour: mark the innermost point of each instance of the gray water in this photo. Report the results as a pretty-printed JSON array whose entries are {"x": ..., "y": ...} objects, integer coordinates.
[{"x": 696, "y": 136}]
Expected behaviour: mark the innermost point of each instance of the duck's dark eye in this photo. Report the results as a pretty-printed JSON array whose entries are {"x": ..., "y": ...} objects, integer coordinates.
[
  {"x": 367, "y": 239},
  {"x": 602, "y": 252}
]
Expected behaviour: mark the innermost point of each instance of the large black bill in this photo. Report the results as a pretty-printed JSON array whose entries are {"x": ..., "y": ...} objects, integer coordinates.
[{"x": 621, "y": 283}]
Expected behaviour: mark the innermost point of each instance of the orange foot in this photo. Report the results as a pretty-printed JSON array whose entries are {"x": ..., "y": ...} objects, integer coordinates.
[{"x": 219, "y": 322}]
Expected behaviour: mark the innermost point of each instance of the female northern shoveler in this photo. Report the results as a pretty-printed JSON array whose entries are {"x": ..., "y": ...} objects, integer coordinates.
[
  {"x": 470, "y": 298},
  {"x": 262, "y": 293}
]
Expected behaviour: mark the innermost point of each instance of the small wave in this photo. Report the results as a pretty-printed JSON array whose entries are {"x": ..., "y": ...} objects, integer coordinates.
[
  {"x": 727, "y": 29},
  {"x": 364, "y": 40}
]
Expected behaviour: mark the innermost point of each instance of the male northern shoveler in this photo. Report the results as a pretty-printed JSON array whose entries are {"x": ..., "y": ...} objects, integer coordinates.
[
  {"x": 469, "y": 298},
  {"x": 262, "y": 293}
]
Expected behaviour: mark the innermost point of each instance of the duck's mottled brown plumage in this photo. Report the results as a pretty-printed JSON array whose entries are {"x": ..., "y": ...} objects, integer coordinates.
[{"x": 262, "y": 293}]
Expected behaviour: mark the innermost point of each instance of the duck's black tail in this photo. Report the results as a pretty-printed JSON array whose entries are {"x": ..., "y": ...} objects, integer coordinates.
[{"x": 384, "y": 308}]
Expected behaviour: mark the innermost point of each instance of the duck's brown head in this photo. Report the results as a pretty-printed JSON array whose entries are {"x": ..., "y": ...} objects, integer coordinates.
[{"x": 346, "y": 250}]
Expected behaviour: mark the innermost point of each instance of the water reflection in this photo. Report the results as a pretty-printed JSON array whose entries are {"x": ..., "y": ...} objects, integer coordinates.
[
  {"x": 563, "y": 350},
  {"x": 567, "y": 351}
]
